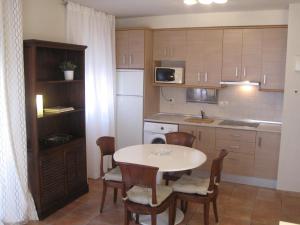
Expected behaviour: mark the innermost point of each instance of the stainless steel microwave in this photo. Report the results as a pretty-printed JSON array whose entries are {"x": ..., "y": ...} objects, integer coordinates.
[{"x": 173, "y": 75}]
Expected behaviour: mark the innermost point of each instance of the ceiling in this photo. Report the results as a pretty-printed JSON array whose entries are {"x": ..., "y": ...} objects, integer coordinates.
[{"x": 134, "y": 8}]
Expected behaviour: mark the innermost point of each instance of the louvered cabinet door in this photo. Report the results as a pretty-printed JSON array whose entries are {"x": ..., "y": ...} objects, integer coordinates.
[
  {"x": 75, "y": 169},
  {"x": 52, "y": 178}
]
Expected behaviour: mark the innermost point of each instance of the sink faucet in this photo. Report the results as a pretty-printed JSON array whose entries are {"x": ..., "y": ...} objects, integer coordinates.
[{"x": 203, "y": 114}]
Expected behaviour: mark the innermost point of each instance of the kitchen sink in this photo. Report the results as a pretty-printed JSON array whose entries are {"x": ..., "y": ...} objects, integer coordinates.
[
  {"x": 199, "y": 120},
  {"x": 235, "y": 123}
]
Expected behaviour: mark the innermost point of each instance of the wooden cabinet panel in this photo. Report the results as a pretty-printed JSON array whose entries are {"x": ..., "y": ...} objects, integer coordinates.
[
  {"x": 130, "y": 49},
  {"x": 177, "y": 48},
  {"x": 239, "y": 164},
  {"x": 191, "y": 130},
  {"x": 252, "y": 54},
  {"x": 232, "y": 54},
  {"x": 204, "y": 57},
  {"x": 169, "y": 45},
  {"x": 267, "y": 155},
  {"x": 235, "y": 135},
  {"x": 236, "y": 146},
  {"x": 52, "y": 179},
  {"x": 122, "y": 38},
  {"x": 136, "y": 49},
  {"x": 273, "y": 58},
  {"x": 206, "y": 139},
  {"x": 75, "y": 166}
]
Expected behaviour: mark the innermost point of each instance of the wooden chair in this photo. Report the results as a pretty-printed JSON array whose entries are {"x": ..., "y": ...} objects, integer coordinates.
[
  {"x": 204, "y": 191},
  {"x": 183, "y": 139},
  {"x": 141, "y": 194},
  {"x": 113, "y": 177}
]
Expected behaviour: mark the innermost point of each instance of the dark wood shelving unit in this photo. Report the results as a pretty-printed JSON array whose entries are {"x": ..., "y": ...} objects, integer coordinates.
[{"x": 57, "y": 175}]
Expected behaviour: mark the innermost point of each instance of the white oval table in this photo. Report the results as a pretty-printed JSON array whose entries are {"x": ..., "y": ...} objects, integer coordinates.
[{"x": 168, "y": 158}]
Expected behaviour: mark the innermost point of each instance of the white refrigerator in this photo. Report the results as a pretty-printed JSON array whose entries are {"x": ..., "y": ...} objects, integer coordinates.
[{"x": 130, "y": 100}]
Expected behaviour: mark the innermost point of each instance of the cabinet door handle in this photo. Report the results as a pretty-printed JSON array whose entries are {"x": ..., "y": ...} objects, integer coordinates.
[
  {"x": 124, "y": 59},
  {"x": 130, "y": 59},
  {"x": 199, "y": 135},
  {"x": 259, "y": 141},
  {"x": 236, "y": 72},
  {"x": 206, "y": 77},
  {"x": 265, "y": 79},
  {"x": 198, "y": 74},
  {"x": 245, "y": 74}
]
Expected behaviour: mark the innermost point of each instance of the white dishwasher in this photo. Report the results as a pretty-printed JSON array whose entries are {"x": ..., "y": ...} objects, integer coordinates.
[{"x": 154, "y": 133}]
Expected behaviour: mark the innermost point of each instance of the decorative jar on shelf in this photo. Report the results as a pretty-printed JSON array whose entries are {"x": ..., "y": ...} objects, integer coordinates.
[{"x": 69, "y": 74}]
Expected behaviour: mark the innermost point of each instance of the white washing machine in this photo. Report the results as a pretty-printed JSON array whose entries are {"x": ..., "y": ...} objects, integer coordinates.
[{"x": 154, "y": 133}]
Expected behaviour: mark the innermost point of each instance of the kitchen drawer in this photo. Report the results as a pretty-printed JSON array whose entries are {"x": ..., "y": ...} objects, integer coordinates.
[
  {"x": 234, "y": 134},
  {"x": 239, "y": 164},
  {"x": 236, "y": 146}
]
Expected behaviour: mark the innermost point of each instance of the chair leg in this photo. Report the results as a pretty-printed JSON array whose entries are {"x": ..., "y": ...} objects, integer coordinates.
[
  {"x": 215, "y": 209},
  {"x": 167, "y": 182},
  {"x": 153, "y": 219},
  {"x": 126, "y": 217},
  {"x": 183, "y": 206},
  {"x": 103, "y": 196},
  {"x": 115, "y": 194},
  {"x": 137, "y": 218},
  {"x": 172, "y": 212},
  {"x": 206, "y": 213}
]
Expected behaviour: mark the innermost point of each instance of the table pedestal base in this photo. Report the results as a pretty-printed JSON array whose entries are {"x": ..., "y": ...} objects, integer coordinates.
[{"x": 163, "y": 218}]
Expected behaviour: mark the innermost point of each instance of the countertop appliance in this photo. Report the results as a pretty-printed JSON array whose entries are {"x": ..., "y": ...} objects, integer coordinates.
[
  {"x": 129, "y": 107},
  {"x": 173, "y": 75},
  {"x": 154, "y": 133}
]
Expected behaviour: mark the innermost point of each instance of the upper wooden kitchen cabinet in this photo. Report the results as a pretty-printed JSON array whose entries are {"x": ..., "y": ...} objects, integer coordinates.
[
  {"x": 130, "y": 45},
  {"x": 169, "y": 45},
  {"x": 273, "y": 59},
  {"x": 204, "y": 58},
  {"x": 267, "y": 155},
  {"x": 242, "y": 57}
]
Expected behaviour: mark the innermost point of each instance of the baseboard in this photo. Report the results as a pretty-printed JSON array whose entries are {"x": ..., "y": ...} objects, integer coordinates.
[{"x": 254, "y": 181}]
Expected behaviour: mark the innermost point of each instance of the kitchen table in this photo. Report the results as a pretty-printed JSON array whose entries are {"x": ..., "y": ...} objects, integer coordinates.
[{"x": 168, "y": 158}]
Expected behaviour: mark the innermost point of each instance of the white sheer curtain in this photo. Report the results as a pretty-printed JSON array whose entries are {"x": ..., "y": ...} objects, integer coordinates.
[
  {"x": 96, "y": 30},
  {"x": 16, "y": 203}
]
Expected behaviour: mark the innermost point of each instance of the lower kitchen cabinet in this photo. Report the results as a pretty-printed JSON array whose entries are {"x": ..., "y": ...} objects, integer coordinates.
[
  {"x": 267, "y": 155},
  {"x": 251, "y": 153},
  {"x": 205, "y": 141}
]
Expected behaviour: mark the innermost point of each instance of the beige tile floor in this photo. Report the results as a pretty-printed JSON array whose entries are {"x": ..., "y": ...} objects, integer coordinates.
[{"x": 238, "y": 205}]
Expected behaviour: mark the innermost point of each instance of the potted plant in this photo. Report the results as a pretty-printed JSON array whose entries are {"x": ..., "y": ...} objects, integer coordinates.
[{"x": 68, "y": 68}]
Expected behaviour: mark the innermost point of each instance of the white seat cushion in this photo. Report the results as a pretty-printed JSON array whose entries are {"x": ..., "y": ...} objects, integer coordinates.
[
  {"x": 191, "y": 185},
  {"x": 144, "y": 195},
  {"x": 114, "y": 174}
]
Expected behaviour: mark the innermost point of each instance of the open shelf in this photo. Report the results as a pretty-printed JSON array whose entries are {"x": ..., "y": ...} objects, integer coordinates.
[
  {"x": 47, "y": 115},
  {"x": 65, "y": 145},
  {"x": 59, "y": 81}
]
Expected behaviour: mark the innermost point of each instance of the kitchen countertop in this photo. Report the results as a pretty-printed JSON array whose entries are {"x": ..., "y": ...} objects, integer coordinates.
[{"x": 180, "y": 119}]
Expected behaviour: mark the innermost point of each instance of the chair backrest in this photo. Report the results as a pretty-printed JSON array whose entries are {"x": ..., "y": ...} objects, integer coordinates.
[
  {"x": 180, "y": 138},
  {"x": 216, "y": 170},
  {"x": 106, "y": 146},
  {"x": 139, "y": 175}
]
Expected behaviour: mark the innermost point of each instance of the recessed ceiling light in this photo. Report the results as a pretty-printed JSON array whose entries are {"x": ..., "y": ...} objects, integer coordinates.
[
  {"x": 206, "y": 2},
  {"x": 220, "y": 1},
  {"x": 190, "y": 2}
]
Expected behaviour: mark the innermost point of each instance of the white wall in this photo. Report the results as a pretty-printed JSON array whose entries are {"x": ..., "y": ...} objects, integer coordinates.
[
  {"x": 289, "y": 164},
  {"x": 235, "y": 102},
  {"x": 44, "y": 19},
  {"x": 267, "y": 17}
]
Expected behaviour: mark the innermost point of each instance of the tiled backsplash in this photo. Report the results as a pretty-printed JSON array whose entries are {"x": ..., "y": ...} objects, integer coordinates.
[{"x": 235, "y": 102}]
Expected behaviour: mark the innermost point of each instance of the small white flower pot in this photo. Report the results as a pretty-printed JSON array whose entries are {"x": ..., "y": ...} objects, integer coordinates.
[{"x": 69, "y": 74}]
